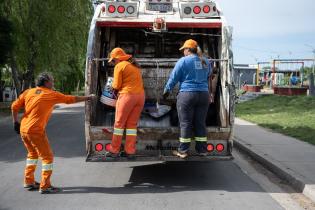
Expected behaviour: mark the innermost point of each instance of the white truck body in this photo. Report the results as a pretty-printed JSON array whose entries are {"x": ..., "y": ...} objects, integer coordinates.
[{"x": 153, "y": 38}]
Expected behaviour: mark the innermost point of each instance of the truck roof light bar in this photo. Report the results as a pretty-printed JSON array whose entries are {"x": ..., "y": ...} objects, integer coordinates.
[
  {"x": 199, "y": 10},
  {"x": 119, "y": 9}
]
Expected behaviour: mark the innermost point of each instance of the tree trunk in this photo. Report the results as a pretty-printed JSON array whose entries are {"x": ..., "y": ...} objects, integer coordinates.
[
  {"x": 15, "y": 75},
  {"x": 311, "y": 86},
  {"x": 1, "y": 86},
  {"x": 28, "y": 79}
]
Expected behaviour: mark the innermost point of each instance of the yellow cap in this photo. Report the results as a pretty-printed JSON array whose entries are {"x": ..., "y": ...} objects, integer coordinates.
[
  {"x": 118, "y": 53},
  {"x": 190, "y": 43}
]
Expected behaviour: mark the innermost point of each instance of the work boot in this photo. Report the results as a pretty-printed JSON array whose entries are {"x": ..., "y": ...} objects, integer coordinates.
[
  {"x": 111, "y": 155},
  {"x": 130, "y": 145},
  {"x": 202, "y": 154},
  {"x": 50, "y": 190},
  {"x": 31, "y": 187},
  {"x": 115, "y": 144},
  {"x": 182, "y": 155},
  {"x": 131, "y": 156}
]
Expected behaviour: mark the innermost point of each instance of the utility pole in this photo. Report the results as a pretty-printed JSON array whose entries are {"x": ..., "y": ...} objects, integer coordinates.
[
  {"x": 311, "y": 76},
  {"x": 312, "y": 88},
  {"x": 313, "y": 61}
]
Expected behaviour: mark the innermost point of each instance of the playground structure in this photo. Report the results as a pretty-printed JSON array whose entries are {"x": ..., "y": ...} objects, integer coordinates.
[
  {"x": 284, "y": 76},
  {"x": 278, "y": 72}
]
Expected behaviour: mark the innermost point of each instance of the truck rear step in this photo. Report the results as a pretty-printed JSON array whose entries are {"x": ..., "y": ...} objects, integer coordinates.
[{"x": 102, "y": 158}]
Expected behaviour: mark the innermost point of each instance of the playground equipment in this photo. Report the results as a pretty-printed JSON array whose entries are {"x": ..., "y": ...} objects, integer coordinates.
[
  {"x": 285, "y": 76},
  {"x": 281, "y": 72}
]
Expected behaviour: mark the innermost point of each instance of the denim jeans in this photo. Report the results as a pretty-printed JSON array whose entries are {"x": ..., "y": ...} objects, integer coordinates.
[{"x": 192, "y": 110}]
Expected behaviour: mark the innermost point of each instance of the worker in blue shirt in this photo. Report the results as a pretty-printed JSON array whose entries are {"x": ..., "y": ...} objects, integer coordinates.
[{"x": 192, "y": 72}]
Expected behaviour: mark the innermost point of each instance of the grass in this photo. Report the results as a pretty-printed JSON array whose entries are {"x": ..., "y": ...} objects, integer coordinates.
[{"x": 291, "y": 115}]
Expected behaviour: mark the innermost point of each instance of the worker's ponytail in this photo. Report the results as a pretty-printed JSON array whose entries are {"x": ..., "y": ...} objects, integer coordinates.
[
  {"x": 198, "y": 52},
  {"x": 200, "y": 55}
]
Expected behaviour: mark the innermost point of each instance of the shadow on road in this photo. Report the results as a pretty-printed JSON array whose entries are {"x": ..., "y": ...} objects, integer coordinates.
[{"x": 178, "y": 177}]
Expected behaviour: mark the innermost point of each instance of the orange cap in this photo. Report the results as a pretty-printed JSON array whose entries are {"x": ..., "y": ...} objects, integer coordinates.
[
  {"x": 118, "y": 53},
  {"x": 190, "y": 43}
]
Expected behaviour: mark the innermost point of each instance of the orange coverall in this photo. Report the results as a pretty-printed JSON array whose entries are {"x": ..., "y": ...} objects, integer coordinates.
[
  {"x": 128, "y": 80},
  {"x": 38, "y": 104}
]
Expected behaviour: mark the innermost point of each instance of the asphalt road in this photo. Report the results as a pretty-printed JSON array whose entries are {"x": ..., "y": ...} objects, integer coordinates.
[{"x": 156, "y": 185}]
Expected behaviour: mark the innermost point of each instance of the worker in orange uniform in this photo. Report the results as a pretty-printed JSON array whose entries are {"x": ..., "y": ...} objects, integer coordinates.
[
  {"x": 38, "y": 104},
  {"x": 128, "y": 82}
]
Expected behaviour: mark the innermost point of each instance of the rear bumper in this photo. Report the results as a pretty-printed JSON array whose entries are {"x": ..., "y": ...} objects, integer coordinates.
[
  {"x": 164, "y": 133},
  {"x": 102, "y": 158}
]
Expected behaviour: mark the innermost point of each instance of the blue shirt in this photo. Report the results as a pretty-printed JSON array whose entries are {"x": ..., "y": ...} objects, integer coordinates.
[{"x": 191, "y": 75}]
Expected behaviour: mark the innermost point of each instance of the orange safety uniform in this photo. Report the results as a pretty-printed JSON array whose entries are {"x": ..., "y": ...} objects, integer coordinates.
[
  {"x": 128, "y": 81},
  {"x": 38, "y": 104}
]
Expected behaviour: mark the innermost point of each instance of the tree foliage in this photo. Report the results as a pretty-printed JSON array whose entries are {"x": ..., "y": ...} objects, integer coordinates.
[
  {"x": 51, "y": 36},
  {"x": 5, "y": 40},
  {"x": 307, "y": 70}
]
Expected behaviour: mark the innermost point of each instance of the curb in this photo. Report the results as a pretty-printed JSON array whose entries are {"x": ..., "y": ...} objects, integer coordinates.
[{"x": 291, "y": 177}]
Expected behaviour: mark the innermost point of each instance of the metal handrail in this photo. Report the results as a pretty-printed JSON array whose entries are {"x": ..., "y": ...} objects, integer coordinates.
[{"x": 162, "y": 60}]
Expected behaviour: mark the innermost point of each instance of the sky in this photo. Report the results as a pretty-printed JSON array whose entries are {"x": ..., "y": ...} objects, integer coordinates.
[{"x": 270, "y": 29}]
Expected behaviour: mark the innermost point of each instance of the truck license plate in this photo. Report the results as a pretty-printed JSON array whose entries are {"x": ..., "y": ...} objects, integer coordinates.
[{"x": 162, "y": 7}]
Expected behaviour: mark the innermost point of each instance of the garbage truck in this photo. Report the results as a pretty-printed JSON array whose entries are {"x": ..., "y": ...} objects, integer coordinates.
[{"x": 153, "y": 31}]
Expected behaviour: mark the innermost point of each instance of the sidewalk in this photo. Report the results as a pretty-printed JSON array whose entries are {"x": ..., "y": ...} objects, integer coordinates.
[{"x": 290, "y": 159}]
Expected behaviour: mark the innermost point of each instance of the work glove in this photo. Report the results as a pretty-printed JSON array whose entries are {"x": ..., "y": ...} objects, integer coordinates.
[
  {"x": 17, "y": 127},
  {"x": 115, "y": 92},
  {"x": 165, "y": 94},
  {"x": 91, "y": 97}
]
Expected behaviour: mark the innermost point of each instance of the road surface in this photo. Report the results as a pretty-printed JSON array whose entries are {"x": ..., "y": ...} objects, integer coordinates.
[{"x": 213, "y": 185}]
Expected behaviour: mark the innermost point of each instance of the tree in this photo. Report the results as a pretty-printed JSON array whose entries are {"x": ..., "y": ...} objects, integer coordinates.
[
  {"x": 5, "y": 47},
  {"x": 5, "y": 40},
  {"x": 49, "y": 36},
  {"x": 307, "y": 70}
]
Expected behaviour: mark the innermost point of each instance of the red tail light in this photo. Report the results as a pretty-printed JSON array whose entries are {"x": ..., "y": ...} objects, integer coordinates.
[
  {"x": 220, "y": 147},
  {"x": 206, "y": 9},
  {"x": 210, "y": 147},
  {"x": 111, "y": 9},
  {"x": 99, "y": 147},
  {"x": 121, "y": 9},
  {"x": 197, "y": 9},
  {"x": 107, "y": 147}
]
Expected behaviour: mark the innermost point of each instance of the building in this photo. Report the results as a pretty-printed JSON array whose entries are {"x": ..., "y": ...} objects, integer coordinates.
[{"x": 244, "y": 73}]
